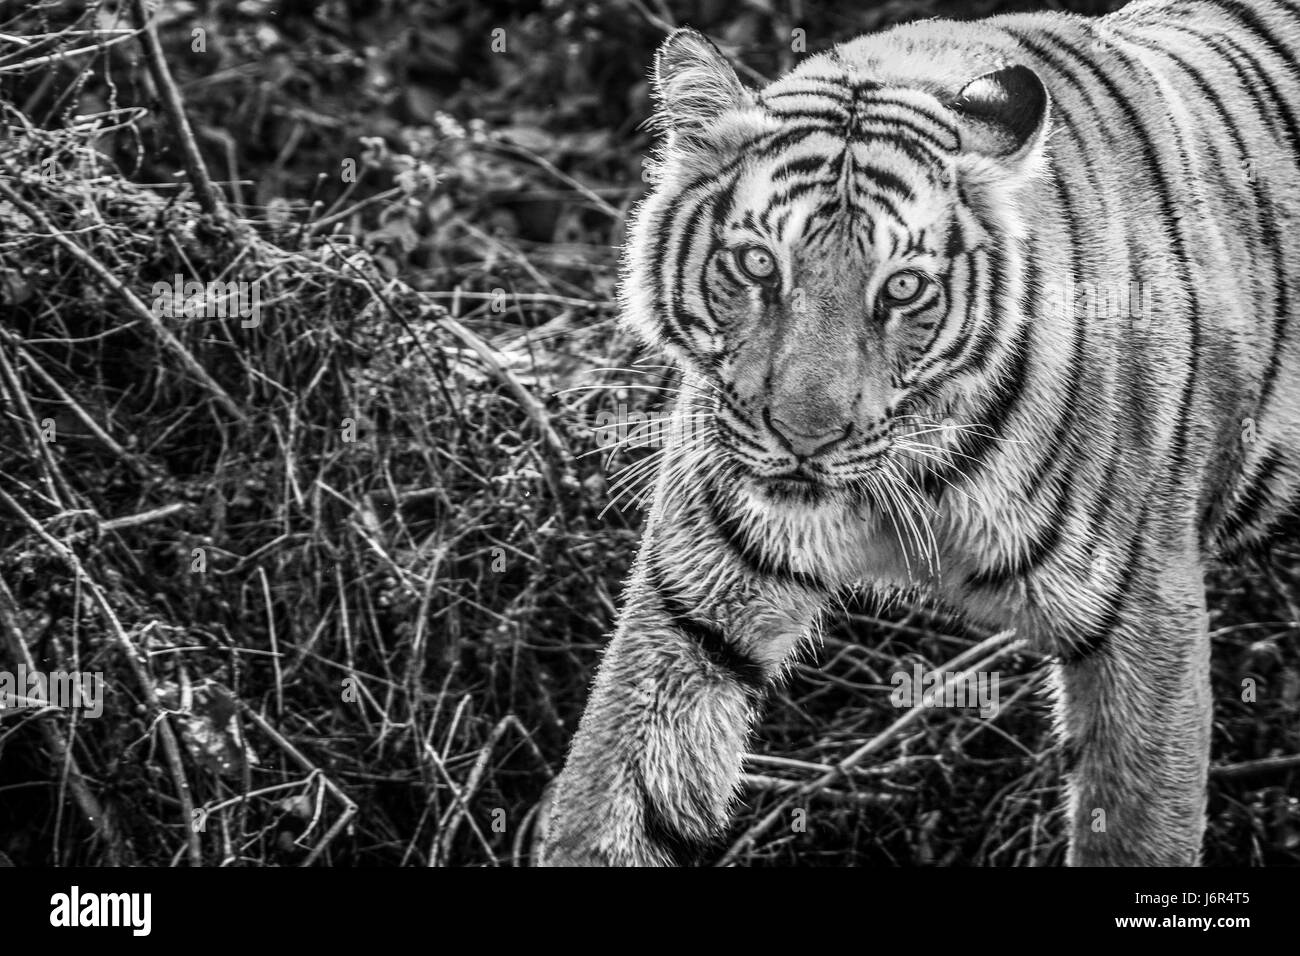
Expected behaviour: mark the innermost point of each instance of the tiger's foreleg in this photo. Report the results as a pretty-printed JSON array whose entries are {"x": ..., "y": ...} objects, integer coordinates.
[
  {"x": 1136, "y": 714},
  {"x": 654, "y": 765}
]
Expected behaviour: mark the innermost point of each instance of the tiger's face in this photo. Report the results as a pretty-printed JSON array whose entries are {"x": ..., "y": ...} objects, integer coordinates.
[
  {"x": 812, "y": 257},
  {"x": 823, "y": 293}
]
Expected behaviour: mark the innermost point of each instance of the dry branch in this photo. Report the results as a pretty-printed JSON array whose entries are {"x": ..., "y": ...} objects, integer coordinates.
[{"x": 204, "y": 191}]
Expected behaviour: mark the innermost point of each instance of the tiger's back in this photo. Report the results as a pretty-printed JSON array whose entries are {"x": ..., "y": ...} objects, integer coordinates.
[{"x": 1160, "y": 270}]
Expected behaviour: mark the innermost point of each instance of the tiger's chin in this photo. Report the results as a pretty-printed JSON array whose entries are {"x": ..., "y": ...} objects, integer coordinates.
[
  {"x": 798, "y": 489},
  {"x": 791, "y": 489}
]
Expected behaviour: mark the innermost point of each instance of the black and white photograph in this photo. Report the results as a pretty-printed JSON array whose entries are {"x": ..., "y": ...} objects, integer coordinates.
[{"x": 476, "y": 434}]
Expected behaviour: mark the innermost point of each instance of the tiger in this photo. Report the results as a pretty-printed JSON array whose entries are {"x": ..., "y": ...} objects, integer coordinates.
[{"x": 999, "y": 313}]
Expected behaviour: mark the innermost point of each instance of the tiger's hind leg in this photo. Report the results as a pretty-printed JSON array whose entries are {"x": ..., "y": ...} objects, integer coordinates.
[{"x": 1135, "y": 714}]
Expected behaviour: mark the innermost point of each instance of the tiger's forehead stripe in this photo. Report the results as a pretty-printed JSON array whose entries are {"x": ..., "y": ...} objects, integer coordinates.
[
  {"x": 865, "y": 148},
  {"x": 861, "y": 109},
  {"x": 862, "y": 185},
  {"x": 857, "y": 111}
]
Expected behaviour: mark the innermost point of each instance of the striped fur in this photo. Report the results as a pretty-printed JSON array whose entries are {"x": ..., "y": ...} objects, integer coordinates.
[{"x": 999, "y": 441}]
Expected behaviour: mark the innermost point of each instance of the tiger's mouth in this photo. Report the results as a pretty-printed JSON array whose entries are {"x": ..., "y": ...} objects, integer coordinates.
[{"x": 792, "y": 481}]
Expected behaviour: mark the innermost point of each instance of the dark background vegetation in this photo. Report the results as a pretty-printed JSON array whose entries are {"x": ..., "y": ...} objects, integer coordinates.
[{"x": 390, "y": 644}]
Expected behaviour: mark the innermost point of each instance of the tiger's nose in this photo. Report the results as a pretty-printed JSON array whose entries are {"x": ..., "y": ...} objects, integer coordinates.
[{"x": 805, "y": 444}]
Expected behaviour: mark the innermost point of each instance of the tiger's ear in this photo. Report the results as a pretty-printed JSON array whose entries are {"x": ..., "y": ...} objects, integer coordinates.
[
  {"x": 695, "y": 85},
  {"x": 1003, "y": 121}
]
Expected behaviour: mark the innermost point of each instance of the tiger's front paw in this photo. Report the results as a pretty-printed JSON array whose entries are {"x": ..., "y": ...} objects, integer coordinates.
[
  {"x": 568, "y": 853},
  {"x": 555, "y": 841},
  {"x": 569, "y": 835}
]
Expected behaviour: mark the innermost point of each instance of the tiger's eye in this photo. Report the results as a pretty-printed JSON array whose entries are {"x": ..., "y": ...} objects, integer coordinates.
[
  {"x": 757, "y": 263},
  {"x": 903, "y": 287}
]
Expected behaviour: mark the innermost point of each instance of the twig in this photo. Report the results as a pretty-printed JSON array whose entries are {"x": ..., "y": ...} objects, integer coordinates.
[
  {"x": 25, "y": 65},
  {"x": 206, "y": 193},
  {"x": 1250, "y": 768},
  {"x": 320, "y": 225},
  {"x": 522, "y": 832},
  {"x": 757, "y": 781},
  {"x": 785, "y": 763},
  {"x": 145, "y": 517},
  {"x": 275, "y": 647}
]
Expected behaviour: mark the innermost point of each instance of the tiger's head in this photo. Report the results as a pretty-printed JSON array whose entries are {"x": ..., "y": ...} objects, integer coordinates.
[{"x": 821, "y": 257}]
